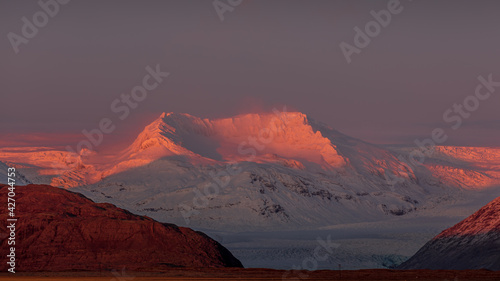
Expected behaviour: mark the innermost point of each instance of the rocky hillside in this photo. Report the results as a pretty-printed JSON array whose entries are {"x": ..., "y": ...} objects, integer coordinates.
[
  {"x": 474, "y": 243},
  {"x": 58, "y": 230}
]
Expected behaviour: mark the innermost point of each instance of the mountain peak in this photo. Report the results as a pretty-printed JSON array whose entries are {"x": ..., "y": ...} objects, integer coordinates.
[
  {"x": 166, "y": 115},
  {"x": 287, "y": 135}
]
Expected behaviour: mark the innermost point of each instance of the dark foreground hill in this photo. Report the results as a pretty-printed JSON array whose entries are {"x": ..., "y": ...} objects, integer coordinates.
[
  {"x": 58, "y": 230},
  {"x": 474, "y": 243}
]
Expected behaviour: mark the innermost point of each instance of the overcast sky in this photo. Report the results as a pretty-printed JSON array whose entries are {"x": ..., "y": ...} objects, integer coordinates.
[{"x": 263, "y": 54}]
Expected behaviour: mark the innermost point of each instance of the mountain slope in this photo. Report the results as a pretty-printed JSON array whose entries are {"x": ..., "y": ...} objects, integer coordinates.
[
  {"x": 58, "y": 230},
  {"x": 260, "y": 171},
  {"x": 474, "y": 243}
]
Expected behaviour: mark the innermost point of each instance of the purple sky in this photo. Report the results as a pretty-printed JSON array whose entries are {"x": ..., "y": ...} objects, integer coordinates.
[{"x": 264, "y": 54}]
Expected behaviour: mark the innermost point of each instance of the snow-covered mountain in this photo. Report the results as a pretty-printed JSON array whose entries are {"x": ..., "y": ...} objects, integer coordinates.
[
  {"x": 255, "y": 171},
  {"x": 47, "y": 165},
  {"x": 474, "y": 243},
  {"x": 278, "y": 174},
  {"x": 277, "y": 170}
]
